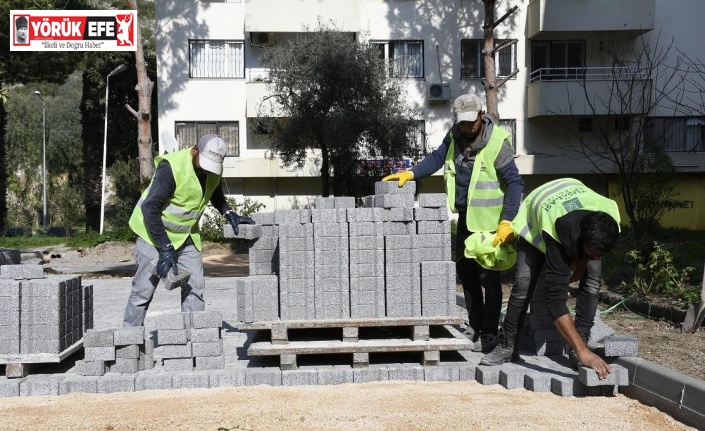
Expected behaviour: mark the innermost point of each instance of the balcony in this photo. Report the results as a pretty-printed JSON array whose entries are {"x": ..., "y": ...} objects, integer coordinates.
[
  {"x": 288, "y": 16},
  {"x": 257, "y": 81},
  {"x": 587, "y": 91},
  {"x": 589, "y": 16}
]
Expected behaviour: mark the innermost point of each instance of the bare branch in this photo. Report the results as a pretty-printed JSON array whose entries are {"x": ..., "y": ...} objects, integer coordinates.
[
  {"x": 132, "y": 111},
  {"x": 508, "y": 77},
  {"x": 505, "y": 16}
]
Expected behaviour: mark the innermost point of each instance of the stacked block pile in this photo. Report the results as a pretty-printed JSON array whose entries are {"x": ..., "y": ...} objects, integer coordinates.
[
  {"x": 190, "y": 341},
  {"x": 121, "y": 350},
  {"x": 389, "y": 258},
  {"x": 41, "y": 314}
]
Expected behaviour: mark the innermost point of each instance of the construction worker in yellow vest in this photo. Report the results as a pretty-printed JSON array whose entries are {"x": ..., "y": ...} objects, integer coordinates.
[
  {"x": 484, "y": 187},
  {"x": 562, "y": 226},
  {"x": 166, "y": 221}
]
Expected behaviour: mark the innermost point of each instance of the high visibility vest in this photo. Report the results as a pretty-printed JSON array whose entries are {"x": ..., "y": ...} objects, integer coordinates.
[
  {"x": 185, "y": 208},
  {"x": 543, "y": 206},
  {"x": 485, "y": 196}
]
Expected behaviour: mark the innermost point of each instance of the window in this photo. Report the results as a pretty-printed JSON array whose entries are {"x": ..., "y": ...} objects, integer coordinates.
[
  {"x": 216, "y": 59},
  {"x": 510, "y": 126},
  {"x": 584, "y": 124},
  {"x": 472, "y": 62},
  {"x": 189, "y": 132},
  {"x": 417, "y": 136},
  {"x": 675, "y": 134},
  {"x": 557, "y": 59},
  {"x": 405, "y": 57},
  {"x": 622, "y": 124}
]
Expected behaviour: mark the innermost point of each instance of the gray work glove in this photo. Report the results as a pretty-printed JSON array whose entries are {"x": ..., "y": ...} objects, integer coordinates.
[
  {"x": 236, "y": 220},
  {"x": 168, "y": 259}
]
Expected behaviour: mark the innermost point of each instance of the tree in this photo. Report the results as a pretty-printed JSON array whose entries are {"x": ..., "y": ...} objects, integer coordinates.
[
  {"x": 490, "y": 83},
  {"x": 332, "y": 94},
  {"x": 626, "y": 99}
]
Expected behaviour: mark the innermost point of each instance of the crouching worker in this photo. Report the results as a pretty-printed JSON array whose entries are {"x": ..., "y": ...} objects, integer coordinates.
[
  {"x": 561, "y": 225},
  {"x": 166, "y": 221}
]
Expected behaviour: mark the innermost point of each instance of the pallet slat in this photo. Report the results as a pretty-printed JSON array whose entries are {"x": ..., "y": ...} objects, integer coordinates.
[{"x": 342, "y": 323}]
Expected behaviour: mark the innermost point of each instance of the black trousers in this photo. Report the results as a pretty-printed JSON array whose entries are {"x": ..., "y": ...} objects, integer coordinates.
[{"x": 482, "y": 287}]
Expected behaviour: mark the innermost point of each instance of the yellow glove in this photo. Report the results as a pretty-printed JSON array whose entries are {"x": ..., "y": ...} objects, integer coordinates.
[
  {"x": 504, "y": 234},
  {"x": 402, "y": 177}
]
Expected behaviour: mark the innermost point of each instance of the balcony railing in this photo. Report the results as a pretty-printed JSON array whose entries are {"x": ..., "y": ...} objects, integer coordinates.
[
  {"x": 588, "y": 73},
  {"x": 257, "y": 74}
]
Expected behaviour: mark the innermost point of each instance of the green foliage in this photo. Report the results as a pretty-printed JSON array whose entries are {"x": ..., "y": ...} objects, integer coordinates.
[
  {"x": 338, "y": 99},
  {"x": 212, "y": 222},
  {"x": 65, "y": 206},
  {"x": 127, "y": 184},
  {"x": 656, "y": 274}
]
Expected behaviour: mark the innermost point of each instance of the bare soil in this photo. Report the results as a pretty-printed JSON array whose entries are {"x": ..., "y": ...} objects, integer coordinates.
[{"x": 367, "y": 406}]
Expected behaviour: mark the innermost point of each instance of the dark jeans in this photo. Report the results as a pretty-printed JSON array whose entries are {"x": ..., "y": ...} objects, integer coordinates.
[
  {"x": 530, "y": 264},
  {"x": 481, "y": 287}
]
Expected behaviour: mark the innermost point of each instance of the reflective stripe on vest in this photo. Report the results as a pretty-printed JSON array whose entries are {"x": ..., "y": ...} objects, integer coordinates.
[
  {"x": 485, "y": 197},
  {"x": 543, "y": 206},
  {"x": 184, "y": 210}
]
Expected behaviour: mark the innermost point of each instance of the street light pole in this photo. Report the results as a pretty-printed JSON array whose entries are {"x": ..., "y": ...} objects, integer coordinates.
[
  {"x": 44, "y": 160},
  {"x": 115, "y": 71}
]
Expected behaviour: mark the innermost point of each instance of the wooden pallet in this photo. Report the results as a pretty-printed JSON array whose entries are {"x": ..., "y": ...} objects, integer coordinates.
[
  {"x": 358, "y": 337},
  {"x": 20, "y": 364}
]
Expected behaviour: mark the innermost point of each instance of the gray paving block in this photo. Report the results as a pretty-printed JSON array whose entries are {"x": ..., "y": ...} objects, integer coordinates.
[
  {"x": 300, "y": 377},
  {"x": 618, "y": 377},
  {"x": 172, "y": 336},
  {"x": 178, "y": 365},
  {"x": 227, "y": 378},
  {"x": 397, "y": 214},
  {"x": 406, "y": 372},
  {"x": 153, "y": 380},
  {"x": 125, "y": 366},
  {"x": 344, "y": 202},
  {"x": 423, "y": 214},
  {"x": 170, "y": 321},
  {"x": 537, "y": 382},
  {"x": 21, "y": 271},
  {"x": 433, "y": 200},
  {"x": 171, "y": 351},
  {"x": 599, "y": 330},
  {"x": 441, "y": 373},
  {"x": 328, "y": 216},
  {"x": 244, "y": 231},
  {"x": 263, "y": 218},
  {"x": 93, "y": 338},
  {"x": 373, "y": 373},
  {"x": 78, "y": 384},
  {"x": 206, "y": 363},
  {"x": 111, "y": 383},
  {"x": 190, "y": 380},
  {"x": 206, "y": 319},
  {"x": 487, "y": 375},
  {"x": 9, "y": 387},
  {"x": 355, "y": 215},
  {"x": 621, "y": 345},
  {"x": 127, "y": 336},
  {"x": 511, "y": 377},
  {"x": 145, "y": 362},
  {"x": 467, "y": 371},
  {"x": 99, "y": 354},
  {"x": 208, "y": 348},
  {"x": 263, "y": 376},
  {"x": 205, "y": 334},
  {"x": 90, "y": 368},
  {"x": 335, "y": 375},
  {"x": 382, "y": 187},
  {"x": 41, "y": 384},
  {"x": 563, "y": 386},
  {"x": 325, "y": 203},
  {"x": 433, "y": 227}
]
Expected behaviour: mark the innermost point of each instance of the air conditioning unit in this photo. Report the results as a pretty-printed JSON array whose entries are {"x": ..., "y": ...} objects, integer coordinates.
[
  {"x": 438, "y": 92},
  {"x": 263, "y": 39}
]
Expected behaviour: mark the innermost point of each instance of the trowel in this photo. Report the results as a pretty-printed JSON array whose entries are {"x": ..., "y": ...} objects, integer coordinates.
[{"x": 696, "y": 313}]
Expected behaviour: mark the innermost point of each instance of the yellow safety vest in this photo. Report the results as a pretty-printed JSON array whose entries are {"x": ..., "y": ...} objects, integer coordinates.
[
  {"x": 485, "y": 195},
  {"x": 186, "y": 206},
  {"x": 543, "y": 206}
]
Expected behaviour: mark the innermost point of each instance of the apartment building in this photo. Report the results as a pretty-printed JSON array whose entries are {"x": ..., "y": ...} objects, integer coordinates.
[{"x": 571, "y": 56}]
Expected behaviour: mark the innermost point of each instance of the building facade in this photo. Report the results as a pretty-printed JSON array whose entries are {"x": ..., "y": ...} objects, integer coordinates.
[{"x": 577, "y": 77}]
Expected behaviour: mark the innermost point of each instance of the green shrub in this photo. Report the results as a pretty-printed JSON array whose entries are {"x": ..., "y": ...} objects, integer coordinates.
[
  {"x": 125, "y": 176},
  {"x": 212, "y": 222},
  {"x": 656, "y": 275},
  {"x": 66, "y": 207}
]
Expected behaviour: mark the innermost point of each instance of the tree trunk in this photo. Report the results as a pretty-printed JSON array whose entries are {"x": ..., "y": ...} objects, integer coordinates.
[
  {"x": 91, "y": 136},
  {"x": 3, "y": 173},
  {"x": 490, "y": 84},
  {"x": 143, "y": 115},
  {"x": 325, "y": 170}
]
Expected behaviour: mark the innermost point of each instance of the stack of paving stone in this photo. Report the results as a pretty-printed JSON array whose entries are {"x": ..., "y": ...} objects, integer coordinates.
[
  {"x": 121, "y": 350},
  {"x": 190, "y": 341},
  {"x": 390, "y": 258}
]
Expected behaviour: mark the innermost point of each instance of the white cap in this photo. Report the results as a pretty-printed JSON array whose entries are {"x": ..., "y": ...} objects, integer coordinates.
[
  {"x": 211, "y": 152},
  {"x": 466, "y": 107}
]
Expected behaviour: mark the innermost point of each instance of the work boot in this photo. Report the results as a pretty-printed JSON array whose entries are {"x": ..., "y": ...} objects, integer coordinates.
[
  {"x": 572, "y": 354},
  {"x": 486, "y": 343},
  {"x": 503, "y": 352}
]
